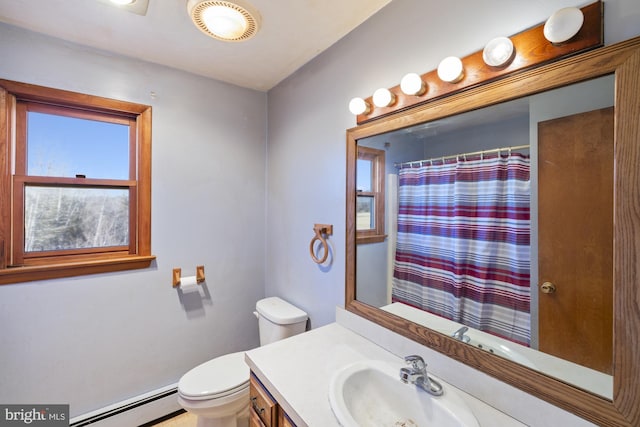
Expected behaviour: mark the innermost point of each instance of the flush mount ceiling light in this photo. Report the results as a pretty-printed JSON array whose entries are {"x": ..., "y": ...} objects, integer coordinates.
[
  {"x": 139, "y": 7},
  {"x": 224, "y": 20}
]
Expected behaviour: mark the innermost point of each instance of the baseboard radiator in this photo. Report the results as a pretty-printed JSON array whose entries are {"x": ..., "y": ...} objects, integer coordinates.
[{"x": 136, "y": 411}]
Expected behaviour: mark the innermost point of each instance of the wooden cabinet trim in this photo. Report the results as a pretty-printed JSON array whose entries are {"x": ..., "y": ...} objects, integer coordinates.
[{"x": 273, "y": 415}]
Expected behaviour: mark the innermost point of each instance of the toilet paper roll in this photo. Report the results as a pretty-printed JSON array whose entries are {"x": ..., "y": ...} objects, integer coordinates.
[{"x": 188, "y": 283}]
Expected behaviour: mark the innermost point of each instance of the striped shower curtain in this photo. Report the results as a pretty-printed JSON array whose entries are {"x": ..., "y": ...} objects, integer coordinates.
[{"x": 463, "y": 242}]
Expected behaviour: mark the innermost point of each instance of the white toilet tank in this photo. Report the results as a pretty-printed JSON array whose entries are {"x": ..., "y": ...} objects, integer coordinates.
[{"x": 277, "y": 319}]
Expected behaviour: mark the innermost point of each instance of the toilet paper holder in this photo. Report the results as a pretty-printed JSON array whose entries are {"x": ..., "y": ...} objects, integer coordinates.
[{"x": 177, "y": 275}]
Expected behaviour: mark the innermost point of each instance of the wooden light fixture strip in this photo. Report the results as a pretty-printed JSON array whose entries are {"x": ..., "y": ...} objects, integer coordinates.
[{"x": 531, "y": 48}]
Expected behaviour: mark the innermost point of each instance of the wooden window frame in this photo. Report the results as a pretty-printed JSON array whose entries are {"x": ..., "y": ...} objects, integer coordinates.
[
  {"x": 15, "y": 265},
  {"x": 377, "y": 159}
]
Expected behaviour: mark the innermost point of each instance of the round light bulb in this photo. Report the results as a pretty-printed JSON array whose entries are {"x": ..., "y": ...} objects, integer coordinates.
[
  {"x": 383, "y": 97},
  {"x": 359, "y": 106},
  {"x": 224, "y": 21},
  {"x": 123, "y": 2},
  {"x": 498, "y": 52},
  {"x": 412, "y": 84},
  {"x": 450, "y": 69},
  {"x": 563, "y": 24}
]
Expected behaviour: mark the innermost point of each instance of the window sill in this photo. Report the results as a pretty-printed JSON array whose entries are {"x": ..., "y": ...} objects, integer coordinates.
[
  {"x": 80, "y": 268},
  {"x": 374, "y": 238}
]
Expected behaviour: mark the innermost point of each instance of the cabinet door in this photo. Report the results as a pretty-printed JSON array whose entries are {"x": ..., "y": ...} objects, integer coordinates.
[
  {"x": 262, "y": 404},
  {"x": 283, "y": 419},
  {"x": 254, "y": 419}
]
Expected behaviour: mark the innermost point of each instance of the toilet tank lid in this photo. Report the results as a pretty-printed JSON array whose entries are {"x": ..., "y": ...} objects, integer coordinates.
[{"x": 279, "y": 311}]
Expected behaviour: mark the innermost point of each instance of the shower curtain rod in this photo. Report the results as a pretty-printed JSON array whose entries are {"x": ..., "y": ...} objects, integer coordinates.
[{"x": 455, "y": 156}]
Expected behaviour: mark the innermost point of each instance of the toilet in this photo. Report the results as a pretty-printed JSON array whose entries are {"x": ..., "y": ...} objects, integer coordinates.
[{"x": 217, "y": 391}]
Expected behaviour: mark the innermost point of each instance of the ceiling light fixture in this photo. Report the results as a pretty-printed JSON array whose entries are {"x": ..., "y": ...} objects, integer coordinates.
[
  {"x": 225, "y": 20},
  {"x": 139, "y": 7}
]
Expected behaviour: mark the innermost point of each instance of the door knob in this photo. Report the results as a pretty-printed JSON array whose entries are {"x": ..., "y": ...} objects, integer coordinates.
[{"x": 548, "y": 288}]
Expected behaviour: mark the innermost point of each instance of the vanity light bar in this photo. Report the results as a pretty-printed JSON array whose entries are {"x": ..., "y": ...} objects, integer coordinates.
[{"x": 500, "y": 57}]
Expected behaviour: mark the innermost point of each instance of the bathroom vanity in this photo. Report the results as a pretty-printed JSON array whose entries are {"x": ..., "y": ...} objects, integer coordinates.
[{"x": 291, "y": 378}]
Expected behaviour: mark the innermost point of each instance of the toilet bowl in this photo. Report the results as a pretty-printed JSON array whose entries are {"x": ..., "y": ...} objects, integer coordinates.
[{"x": 217, "y": 391}]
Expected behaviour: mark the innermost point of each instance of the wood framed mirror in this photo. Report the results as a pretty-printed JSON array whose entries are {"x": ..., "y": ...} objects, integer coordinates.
[{"x": 621, "y": 60}]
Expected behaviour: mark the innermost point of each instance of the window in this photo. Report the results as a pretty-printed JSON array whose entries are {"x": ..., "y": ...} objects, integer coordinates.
[
  {"x": 370, "y": 195},
  {"x": 77, "y": 172}
]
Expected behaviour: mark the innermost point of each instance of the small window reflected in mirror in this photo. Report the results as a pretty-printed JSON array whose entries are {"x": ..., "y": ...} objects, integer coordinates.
[
  {"x": 370, "y": 195},
  {"x": 365, "y": 172},
  {"x": 365, "y": 211}
]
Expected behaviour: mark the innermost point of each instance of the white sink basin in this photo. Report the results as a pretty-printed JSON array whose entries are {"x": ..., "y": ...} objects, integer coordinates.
[{"x": 370, "y": 393}]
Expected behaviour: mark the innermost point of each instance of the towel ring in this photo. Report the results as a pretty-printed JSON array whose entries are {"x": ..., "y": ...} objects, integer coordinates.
[{"x": 320, "y": 231}]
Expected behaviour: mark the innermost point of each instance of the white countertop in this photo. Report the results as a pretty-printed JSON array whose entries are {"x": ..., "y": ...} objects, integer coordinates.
[{"x": 297, "y": 372}]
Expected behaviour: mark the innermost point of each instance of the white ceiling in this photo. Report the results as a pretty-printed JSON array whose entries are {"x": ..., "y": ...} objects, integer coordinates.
[{"x": 292, "y": 33}]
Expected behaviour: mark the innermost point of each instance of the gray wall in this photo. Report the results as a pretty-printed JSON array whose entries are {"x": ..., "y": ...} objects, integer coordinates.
[
  {"x": 308, "y": 115},
  {"x": 95, "y": 340},
  {"x": 92, "y": 341}
]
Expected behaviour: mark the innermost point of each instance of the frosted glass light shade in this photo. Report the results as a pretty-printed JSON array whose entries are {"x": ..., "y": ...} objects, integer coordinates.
[
  {"x": 498, "y": 52},
  {"x": 359, "y": 106},
  {"x": 383, "y": 97},
  {"x": 122, "y": 2},
  {"x": 450, "y": 69},
  {"x": 412, "y": 84},
  {"x": 232, "y": 21},
  {"x": 224, "y": 22}
]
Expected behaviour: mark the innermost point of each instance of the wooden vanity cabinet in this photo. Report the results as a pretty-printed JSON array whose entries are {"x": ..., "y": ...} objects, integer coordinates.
[
  {"x": 283, "y": 419},
  {"x": 264, "y": 411}
]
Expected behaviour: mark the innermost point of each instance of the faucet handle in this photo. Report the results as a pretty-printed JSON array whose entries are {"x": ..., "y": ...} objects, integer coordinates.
[
  {"x": 462, "y": 330},
  {"x": 416, "y": 362},
  {"x": 460, "y": 334},
  {"x": 405, "y": 375}
]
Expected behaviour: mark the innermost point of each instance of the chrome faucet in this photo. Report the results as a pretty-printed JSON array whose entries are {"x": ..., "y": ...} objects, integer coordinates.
[
  {"x": 417, "y": 374},
  {"x": 460, "y": 336}
]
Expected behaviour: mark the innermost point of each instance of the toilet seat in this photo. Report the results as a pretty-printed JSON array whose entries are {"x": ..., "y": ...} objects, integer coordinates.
[{"x": 217, "y": 378}]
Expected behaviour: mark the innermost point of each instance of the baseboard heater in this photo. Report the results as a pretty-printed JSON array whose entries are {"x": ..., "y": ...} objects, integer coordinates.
[{"x": 136, "y": 411}]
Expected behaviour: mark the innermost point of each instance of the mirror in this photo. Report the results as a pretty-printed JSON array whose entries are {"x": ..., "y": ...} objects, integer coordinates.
[
  {"x": 598, "y": 386},
  {"x": 411, "y": 270}
]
